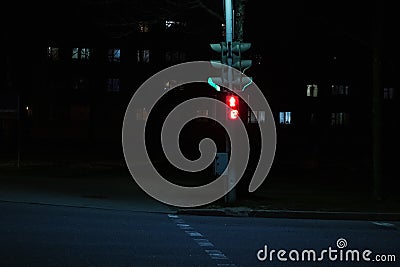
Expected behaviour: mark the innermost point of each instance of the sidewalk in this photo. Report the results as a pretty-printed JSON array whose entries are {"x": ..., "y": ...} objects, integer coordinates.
[
  {"x": 98, "y": 187},
  {"x": 303, "y": 194},
  {"x": 110, "y": 186}
]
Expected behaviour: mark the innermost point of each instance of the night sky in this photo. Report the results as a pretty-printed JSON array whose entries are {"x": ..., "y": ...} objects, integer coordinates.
[{"x": 291, "y": 28}]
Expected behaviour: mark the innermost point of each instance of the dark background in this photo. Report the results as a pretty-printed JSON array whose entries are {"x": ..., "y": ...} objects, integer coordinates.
[{"x": 67, "y": 114}]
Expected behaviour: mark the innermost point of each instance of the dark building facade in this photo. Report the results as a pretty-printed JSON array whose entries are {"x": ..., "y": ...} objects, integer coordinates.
[{"x": 71, "y": 79}]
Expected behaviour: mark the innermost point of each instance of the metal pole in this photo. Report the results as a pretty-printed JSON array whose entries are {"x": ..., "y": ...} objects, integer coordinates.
[
  {"x": 18, "y": 132},
  {"x": 231, "y": 196},
  {"x": 228, "y": 21}
]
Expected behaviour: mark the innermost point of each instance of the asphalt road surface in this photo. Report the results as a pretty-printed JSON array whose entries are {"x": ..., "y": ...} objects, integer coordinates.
[{"x": 50, "y": 235}]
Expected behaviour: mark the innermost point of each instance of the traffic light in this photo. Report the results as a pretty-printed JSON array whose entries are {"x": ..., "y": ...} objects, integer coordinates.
[
  {"x": 232, "y": 101},
  {"x": 237, "y": 62},
  {"x": 231, "y": 55},
  {"x": 234, "y": 52}
]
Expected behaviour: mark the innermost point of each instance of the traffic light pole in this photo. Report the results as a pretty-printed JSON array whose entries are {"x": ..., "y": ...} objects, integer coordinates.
[
  {"x": 231, "y": 55},
  {"x": 231, "y": 196}
]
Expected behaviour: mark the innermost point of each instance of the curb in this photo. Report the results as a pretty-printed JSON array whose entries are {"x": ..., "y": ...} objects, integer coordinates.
[
  {"x": 87, "y": 206},
  {"x": 291, "y": 214}
]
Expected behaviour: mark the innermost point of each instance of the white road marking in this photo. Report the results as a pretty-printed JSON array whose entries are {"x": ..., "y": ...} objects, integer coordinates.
[
  {"x": 204, "y": 243},
  {"x": 384, "y": 224},
  {"x": 214, "y": 254},
  {"x": 184, "y": 226},
  {"x": 193, "y": 233}
]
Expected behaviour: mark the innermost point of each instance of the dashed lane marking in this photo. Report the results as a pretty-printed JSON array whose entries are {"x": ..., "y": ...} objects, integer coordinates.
[
  {"x": 203, "y": 242},
  {"x": 193, "y": 233},
  {"x": 385, "y": 224},
  {"x": 221, "y": 259}
]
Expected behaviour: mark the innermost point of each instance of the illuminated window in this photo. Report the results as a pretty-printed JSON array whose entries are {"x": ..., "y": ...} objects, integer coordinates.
[
  {"x": 285, "y": 117},
  {"x": 53, "y": 53},
  {"x": 113, "y": 85},
  {"x": 169, "y": 23},
  {"x": 114, "y": 55},
  {"x": 81, "y": 53},
  {"x": 340, "y": 90},
  {"x": 170, "y": 84},
  {"x": 143, "y": 56},
  {"x": 388, "y": 93},
  {"x": 256, "y": 116},
  {"x": 141, "y": 114},
  {"x": 29, "y": 112},
  {"x": 75, "y": 53},
  {"x": 172, "y": 25},
  {"x": 339, "y": 118},
  {"x": 202, "y": 112},
  {"x": 312, "y": 90},
  {"x": 143, "y": 26}
]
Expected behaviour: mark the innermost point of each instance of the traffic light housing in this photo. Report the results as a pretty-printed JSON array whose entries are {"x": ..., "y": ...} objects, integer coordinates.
[
  {"x": 231, "y": 55},
  {"x": 234, "y": 51},
  {"x": 232, "y": 102}
]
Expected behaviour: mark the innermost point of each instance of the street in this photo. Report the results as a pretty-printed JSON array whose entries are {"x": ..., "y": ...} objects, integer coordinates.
[
  {"x": 199, "y": 133},
  {"x": 56, "y": 235}
]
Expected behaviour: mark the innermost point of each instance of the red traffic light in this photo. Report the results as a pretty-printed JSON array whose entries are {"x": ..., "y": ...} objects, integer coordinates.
[{"x": 232, "y": 102}]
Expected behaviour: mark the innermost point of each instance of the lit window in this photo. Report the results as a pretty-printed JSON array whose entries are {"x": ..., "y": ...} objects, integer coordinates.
[
  {"x": 143, "y": 56},
  {"x": 202, "y": 112},
  {"x": 388, "y": 93},
  {"x": 170, "y": 24},
  {"x": 81, "y": 53},
  {"x": 85, "y": 53},
  {"x": 141, "y": 114},
  {"x": 143, "y": 26},
  {"x": 28, "y": 111},
  {"x": 285, "y": 117},
  {"x": 75, "y": 53},
  {"x": 312, "y": 90},
  {"x": 340, "y": 90},
  {"x": 174, "y": 25},
  {"x": 256, "y": 116},
  {"x": 202, "y": 115},
  {"x": 53, "y": 53},
  {"x": 169, "y": 84},
  {"x": 114, "y": 55},
  {"x": 339, "y": 118},
  {"x": 113, "y": 85}
]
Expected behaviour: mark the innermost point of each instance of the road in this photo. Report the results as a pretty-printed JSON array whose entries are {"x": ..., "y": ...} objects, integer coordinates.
[{"x": 54, "y": 235}]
